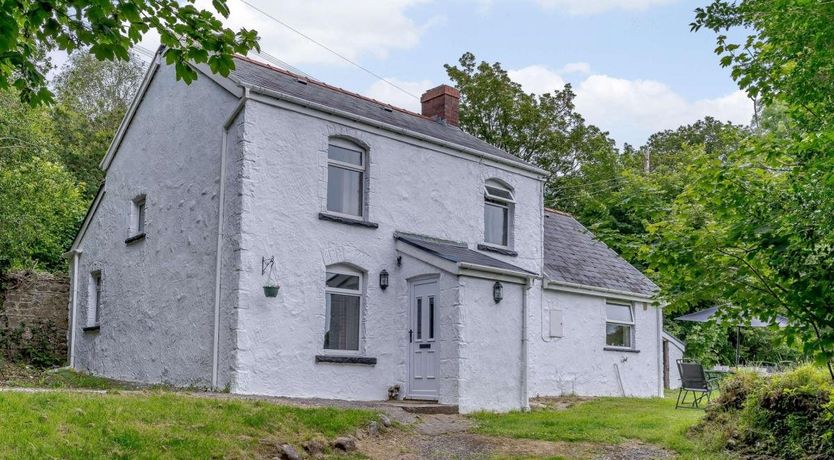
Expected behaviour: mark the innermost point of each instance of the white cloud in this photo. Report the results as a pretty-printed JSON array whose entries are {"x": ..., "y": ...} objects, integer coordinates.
[
  {"x": 537, "y": 79},
  {"x": 355, "y": 29},
  {"x": 632, "y": 110},
  {"x": 576, "y": 67},
  {"x": 384, "y": 92},
  {"x": 588, "y": 7}
]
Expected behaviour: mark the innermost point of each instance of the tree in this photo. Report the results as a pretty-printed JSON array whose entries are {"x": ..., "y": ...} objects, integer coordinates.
[
  {"x": 92, "y": 97},
  {"x": 109, "y": 29},
  {"x": 40, "y": 206},
  {"x": 757, "y": 228},
  {"x": 544, "y": 130}
]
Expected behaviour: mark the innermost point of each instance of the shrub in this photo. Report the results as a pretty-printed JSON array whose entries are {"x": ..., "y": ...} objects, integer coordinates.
[
  {"x": 735, "y": 390},
  {"x": 788, "y": 416}
]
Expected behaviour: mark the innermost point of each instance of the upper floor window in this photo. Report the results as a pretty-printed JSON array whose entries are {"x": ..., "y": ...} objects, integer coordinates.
[
  {"x": 137, "y": 216},
  {"x": 343, "y": 308},
  {"x": 345, "y": 178},
  {"x": 619, "y": 325},
  {"x": 498, "y": 213}
]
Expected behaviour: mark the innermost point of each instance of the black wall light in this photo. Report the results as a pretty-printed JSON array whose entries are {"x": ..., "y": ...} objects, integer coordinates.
[
  {"x": 497, "y": 292},
  {"x": 383, "y": 279}
]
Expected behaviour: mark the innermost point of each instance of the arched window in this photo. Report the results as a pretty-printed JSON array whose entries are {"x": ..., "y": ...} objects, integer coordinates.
[
  {"x": 346, "y": 163},
  {"x": 498, "y": 213},
  {"x": 343, "y": 309}
]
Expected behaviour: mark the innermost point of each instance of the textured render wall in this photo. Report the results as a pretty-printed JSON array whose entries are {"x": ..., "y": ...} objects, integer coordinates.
[
  {"x": 158, "y": 294},
  {"x": 412, "y": 189},
  {"x": 577, "y": 363},
  {"x": 32, "y": 297},
  {"x": 490, "y": 349}
]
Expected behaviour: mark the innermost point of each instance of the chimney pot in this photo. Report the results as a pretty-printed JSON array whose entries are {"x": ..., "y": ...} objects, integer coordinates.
[{"x": 442, "y": 102}]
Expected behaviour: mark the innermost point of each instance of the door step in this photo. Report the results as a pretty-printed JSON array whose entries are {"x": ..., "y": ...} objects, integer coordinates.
[{"x": 424, "y": 407}]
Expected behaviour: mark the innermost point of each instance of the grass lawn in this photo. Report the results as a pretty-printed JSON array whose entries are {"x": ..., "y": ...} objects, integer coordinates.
[
  {"x": 607, "y": 421},
  {"x": 160, "y": 425}
]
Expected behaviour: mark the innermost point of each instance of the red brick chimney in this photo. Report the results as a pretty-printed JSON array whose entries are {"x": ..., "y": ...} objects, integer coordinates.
[{"x": 442, "y": 102}]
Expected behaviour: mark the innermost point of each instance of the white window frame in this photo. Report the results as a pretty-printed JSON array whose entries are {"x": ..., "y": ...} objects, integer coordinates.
[
  {"x": 631, "y": 325},
  {"x": 138, "y": 215},
  {"x": 502, "y": 202},
  {"x": 94, "y": 297},
  {"x": 361, "y": 169},
  {"x": 360, "y": 293}
]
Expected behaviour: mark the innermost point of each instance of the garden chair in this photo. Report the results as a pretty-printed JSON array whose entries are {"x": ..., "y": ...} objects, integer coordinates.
[{"x": 694, "y": 381}]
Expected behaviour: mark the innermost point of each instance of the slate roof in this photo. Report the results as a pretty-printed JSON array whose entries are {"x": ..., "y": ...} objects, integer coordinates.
[
  {"x": 261, "y": 75},
  {"x": 456, "y": 252},
  {"x": 572, "y": 254}
]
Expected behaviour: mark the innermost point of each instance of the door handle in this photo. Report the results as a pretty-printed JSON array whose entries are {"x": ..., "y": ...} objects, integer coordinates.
[{"x": 410, "y": 334}]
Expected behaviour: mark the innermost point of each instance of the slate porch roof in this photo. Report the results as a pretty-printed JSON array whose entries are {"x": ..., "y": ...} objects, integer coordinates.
[
  {"x": 456, "y": 252},
  {"x": 573, "y": 255},
  {"x": 254, "y": 73}
]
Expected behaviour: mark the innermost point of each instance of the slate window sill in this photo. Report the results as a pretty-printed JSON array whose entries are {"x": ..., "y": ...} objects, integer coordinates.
[
  {"x": 364, "y": 360},
  {"x": 347, "y": 220},
  {"x": 626, "y": 350},
  {"x": 95, "y": 328},
  {"x": 497, "y": 250},
  {"x": 135, "y": 238}
]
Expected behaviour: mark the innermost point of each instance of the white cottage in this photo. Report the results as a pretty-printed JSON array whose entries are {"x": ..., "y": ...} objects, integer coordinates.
[{"x": 406, "y": 254}]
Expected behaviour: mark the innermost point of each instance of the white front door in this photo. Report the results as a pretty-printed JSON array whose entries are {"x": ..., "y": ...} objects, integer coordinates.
[{"x": 422, "y": 332}]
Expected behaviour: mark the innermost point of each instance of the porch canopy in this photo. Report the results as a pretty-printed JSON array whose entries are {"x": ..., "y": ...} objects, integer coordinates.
[{"x": 709, "y": 314}]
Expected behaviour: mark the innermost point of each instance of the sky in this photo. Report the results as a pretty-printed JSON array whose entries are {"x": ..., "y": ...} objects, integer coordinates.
[{"x": 634, "y": 64}]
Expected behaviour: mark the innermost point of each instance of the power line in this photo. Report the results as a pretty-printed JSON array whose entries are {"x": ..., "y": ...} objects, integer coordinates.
[{"x": 379, "y": 77}]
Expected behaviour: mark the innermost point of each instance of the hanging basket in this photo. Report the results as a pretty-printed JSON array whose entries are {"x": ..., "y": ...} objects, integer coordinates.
[{"x": 271, "y": 291}]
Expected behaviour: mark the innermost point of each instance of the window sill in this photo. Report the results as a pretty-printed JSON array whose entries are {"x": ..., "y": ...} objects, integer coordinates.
[
  {"x": 135, "y": 238},
  {"x": 496, "y": 249},
  {"x": 347, "y": 220},
  {"x": 626, "y": 350},
  {"x": 367, "y": 361},
  {"x": 94, "y": 328}
]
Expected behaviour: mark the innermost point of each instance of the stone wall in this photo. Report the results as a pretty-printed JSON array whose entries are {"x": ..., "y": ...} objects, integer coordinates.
[{"x": 36, "y": 298}]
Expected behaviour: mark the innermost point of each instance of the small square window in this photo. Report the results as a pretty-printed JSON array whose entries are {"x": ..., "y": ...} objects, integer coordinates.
[{"x": 619, "y": 325}]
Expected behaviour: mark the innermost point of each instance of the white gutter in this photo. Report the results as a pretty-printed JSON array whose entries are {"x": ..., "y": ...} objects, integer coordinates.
[
  {"x": 659, "y": 315},
  {"x": 73, "y": 306},
  {"x": 525, "y": 401},
  {"x": 395, "y": 129},
  {"x": 498, "y": 271},
  {"x": 215, "y": 349},
  {"x": 583, "y": 288}
]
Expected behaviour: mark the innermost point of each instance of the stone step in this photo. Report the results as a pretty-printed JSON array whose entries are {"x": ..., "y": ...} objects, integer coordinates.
[{"x": 424, "y": 407}]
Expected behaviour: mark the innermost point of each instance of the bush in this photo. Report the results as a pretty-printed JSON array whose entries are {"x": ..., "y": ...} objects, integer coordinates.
[
  {"x": 735, "y": 390},
  {"x": 788, "y": 416}
]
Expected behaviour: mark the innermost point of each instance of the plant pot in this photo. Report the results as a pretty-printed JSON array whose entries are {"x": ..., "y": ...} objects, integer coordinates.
[{"x": 271, "y": 291}]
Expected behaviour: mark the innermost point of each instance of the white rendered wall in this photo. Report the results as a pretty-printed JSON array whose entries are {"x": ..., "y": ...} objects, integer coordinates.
[
  {"x": 577, "y": 363},
  {"x": 411, "y": 189},
  {"x": 158, "y": 293},
  {"x": 490, "y": 349}
]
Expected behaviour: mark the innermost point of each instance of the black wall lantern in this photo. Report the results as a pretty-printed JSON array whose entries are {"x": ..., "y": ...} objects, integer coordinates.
[
  {"x": 497, "y": 292},
  {"x": 383, "y": 279}
]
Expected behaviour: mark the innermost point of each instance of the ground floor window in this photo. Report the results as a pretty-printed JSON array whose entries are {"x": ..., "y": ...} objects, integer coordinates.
[
  {"x": 343, "y": 292},
  {"x": 619, "y": 325}
]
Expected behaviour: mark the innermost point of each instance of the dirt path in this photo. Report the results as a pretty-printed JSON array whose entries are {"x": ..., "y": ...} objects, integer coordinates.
[{"x": 436, "y": 437}]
